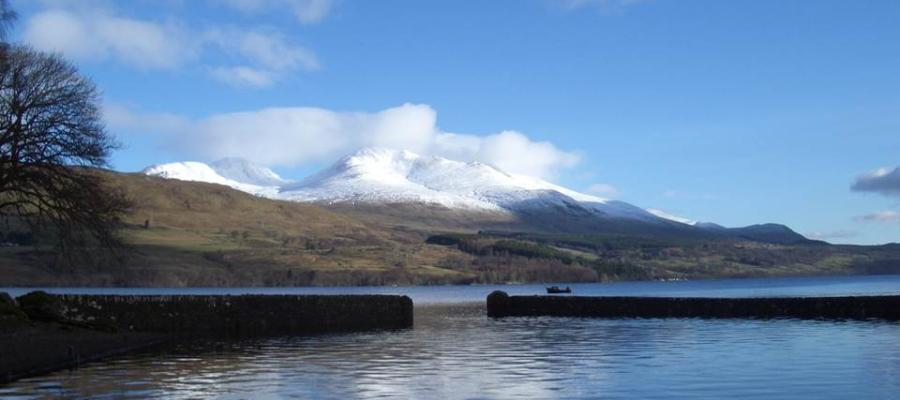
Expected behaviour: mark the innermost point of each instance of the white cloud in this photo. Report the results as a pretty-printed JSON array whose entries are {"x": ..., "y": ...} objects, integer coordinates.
[
  {"x": 269, "y": 54},
  {"x": 298, "y": 135},
  {"x": 243, "y": 76},
  {"x": 603, "y": 190},
  {"x": 883, "y": 216},
  {"x": 309, "y": 11},
  {"x": 255, "y": 58},
  {"x": 291, "y": 136},
  {"x": 515, "y": 152},
  {"x": 306, "y": 11},
  {"x": 269, "y": 50},
  {"x": 90, "y": 35}
]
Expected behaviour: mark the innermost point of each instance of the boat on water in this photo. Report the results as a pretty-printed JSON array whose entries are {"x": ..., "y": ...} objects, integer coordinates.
[{"x": 557, "y": 289}]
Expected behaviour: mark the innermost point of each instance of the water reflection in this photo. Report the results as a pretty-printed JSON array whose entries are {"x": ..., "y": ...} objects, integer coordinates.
[{"x": 455, "y": 351}]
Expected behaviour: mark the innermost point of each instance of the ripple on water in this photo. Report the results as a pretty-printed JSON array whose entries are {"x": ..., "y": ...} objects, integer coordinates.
[{"x": 457, "y": 352}]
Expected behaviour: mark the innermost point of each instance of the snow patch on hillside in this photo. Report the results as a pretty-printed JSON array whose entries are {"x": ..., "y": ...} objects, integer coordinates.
[
  {"x": 670, "y": 217},
  {"x": 199, "y": 172}
]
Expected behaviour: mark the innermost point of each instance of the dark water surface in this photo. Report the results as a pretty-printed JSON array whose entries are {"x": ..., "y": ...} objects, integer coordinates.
[{"x": 455, "y": 351}]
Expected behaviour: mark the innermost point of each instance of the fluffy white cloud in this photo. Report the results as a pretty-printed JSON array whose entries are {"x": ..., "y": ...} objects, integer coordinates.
[
  {"x": 306, "y": 11},
  {"x": 515, "y": 152},
  {"x": 603, "y": 190},
  {"x": 260, "y": 58},
  {"x": 883, "y": 216},
  {"x": 298, "y": 135},
  {"x": 98, "y": 35}
]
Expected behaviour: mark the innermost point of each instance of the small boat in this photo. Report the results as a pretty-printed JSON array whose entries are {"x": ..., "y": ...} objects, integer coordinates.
[{"x": 557, "y": 289}]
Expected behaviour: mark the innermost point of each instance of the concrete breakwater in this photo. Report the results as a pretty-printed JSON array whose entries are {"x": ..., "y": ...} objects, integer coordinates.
[
  {"x": 234, "y": 315},
  {"x": 500, "y": 304}
]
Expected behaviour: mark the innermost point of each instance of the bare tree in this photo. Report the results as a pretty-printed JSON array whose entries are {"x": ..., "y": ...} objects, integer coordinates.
[{"x": 51, "y": 141}]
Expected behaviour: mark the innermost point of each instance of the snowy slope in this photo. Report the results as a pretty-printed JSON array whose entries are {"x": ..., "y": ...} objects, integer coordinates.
[
  {"x": 670, "y": 217},
  {"x": 243, "y": 171},
  {"x": 378, "y": 175},
  {"x": 200, "y": 172},
  {"x": 385, "y": 176}
]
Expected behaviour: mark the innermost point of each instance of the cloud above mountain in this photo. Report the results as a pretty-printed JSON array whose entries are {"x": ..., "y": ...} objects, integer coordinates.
[
  {"x": 884, "y": 181},
  {"x": 292, "y": 136}
]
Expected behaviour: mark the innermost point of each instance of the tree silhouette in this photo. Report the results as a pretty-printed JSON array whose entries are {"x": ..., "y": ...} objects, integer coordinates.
[{"x": 51, "y": 140}]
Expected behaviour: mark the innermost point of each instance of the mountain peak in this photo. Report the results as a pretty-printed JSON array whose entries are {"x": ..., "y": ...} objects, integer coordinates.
[
  {"x": 245, "y": 171},
  {"x": 382, "y": 175}
]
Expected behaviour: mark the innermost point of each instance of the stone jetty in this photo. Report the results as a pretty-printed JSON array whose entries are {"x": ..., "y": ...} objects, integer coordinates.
[
  {"x": 41, "y": 332},
  {"x": 500, "y": 304},
  {"x": 236, "y": 315}
]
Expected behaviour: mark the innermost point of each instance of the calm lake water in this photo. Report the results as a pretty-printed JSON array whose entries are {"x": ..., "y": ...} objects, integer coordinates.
[{"x": 455, "y": 351}]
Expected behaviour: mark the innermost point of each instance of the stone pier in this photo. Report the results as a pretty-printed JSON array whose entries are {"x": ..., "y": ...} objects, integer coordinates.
[{"x": 500, "y": 304}]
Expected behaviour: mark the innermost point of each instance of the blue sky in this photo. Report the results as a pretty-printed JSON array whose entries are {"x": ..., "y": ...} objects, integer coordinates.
[{"x": 736, "y": 112}]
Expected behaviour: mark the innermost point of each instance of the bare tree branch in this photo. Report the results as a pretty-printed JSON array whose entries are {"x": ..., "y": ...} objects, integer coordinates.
[{"x": 51, "y": 139}]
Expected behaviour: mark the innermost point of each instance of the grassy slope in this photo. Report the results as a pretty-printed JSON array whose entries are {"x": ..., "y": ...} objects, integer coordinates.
[{"x": 209, "y": 235}]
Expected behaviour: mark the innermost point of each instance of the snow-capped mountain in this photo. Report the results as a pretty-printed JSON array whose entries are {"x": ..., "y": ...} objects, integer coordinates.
[
  {"x": 387, "y": 176},
  {"x": 379, "y": 175}
]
